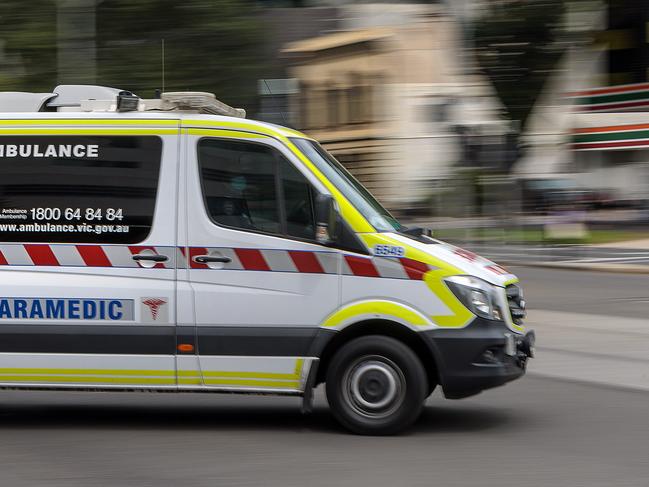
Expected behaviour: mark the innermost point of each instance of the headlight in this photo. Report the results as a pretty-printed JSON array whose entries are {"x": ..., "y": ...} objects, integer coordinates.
[{"x": 477, "y": 295}]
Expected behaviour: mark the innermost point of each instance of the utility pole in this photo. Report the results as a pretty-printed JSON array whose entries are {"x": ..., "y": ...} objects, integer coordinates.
[{"x": 76, "y": 41}]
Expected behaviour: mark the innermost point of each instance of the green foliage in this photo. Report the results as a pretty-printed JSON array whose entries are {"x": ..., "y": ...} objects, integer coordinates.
[
  {"x": 209, "y": 46},
  {"x": 518, "y": 46},
  {"x": 28, "y": 60}
]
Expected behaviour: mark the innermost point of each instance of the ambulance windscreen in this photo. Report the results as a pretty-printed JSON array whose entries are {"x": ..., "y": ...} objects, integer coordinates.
[{"x": 355, "y": 192}]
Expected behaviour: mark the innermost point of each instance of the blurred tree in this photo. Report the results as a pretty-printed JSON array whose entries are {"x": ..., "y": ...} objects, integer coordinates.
[
  {"x": 27, "y": 45},
  {"x": 518, "y": 45},
  {"x": 210, "y": 45}
]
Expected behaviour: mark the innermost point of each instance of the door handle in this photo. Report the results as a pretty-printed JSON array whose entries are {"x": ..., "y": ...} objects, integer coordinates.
[
  {"x": 204, "y": 259},
  {"x": 150, "y": 257}
]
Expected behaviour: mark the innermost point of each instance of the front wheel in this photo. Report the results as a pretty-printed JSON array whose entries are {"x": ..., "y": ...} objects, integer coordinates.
[{"x": 376, "y": 385}]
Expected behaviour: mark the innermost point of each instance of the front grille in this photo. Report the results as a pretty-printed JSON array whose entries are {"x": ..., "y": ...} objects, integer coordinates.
[{"x": 516, "y": 303}]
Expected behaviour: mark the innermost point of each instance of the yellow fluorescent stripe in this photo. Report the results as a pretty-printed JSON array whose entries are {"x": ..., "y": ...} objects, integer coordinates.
[
  {"x": 459, "y": 315},
  {"x": 372, "y": 239},
  {"x": 384, "y": 308},
  {"x": 90, "y": 121},
  {"x": 292, "y": 384},
  {"x": 299, "y": 365},
  {"x": 232, "y": 125},
  {"x": 197, "y": 380},
  {"x": 156, "y": 373},
  {"x": 248, "y": 126},
  {"x": 517, "y": 327},
  {"x": 52, "y": 379},
  {"x": 511, "y": 281},
  {"x": 225, "y": 133},
  {"x": 188, "y": 373},
  {"x": 242, "y": 383},
  {"x": 169, "y": 373},
  {"x": 287, "y": 132},
  {"x": 88, "y": 131},
  {"x": 349, "y": 212},
  {"x": 297, "y": 372},
  {"x": 251, "y": 375}
]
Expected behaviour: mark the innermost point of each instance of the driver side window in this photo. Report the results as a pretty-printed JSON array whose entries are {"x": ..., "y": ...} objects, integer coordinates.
[
  {"x": 299, "y": 199},
  {"x": 250, "y": 186}
]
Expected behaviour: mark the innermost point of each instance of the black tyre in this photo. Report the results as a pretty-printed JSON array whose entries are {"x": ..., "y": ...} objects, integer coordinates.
[{"x": 376, "y": 385}]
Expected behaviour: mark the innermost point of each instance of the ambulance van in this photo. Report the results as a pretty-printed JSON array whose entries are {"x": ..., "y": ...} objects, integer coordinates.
[{"x": 172, "y": 245}]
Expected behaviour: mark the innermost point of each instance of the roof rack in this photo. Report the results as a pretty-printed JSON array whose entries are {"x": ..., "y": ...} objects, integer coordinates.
[{"x": 88, "y": 98}]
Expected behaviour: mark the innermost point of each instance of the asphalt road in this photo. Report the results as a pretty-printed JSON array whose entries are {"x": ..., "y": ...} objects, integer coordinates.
[
  {"x": 579, "y": 254},
  {"x": 534, "y": 432},
  {"x": 599, "y": 293}
]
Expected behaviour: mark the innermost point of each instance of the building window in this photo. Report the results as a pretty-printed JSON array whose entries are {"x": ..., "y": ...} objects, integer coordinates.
[
  {"x": 333, "y": 106},
  {"x": 355, "y": 100}
]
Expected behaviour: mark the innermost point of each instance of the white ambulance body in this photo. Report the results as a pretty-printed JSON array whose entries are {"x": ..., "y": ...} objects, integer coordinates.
[{"x": 145, "y": 244}]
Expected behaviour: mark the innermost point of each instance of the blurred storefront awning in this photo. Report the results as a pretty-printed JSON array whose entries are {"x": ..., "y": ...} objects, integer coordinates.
[
  {"x": 610, "y": 131},
  {"x": 633, "y": 97},
  {"x": 337, "y": 40}
]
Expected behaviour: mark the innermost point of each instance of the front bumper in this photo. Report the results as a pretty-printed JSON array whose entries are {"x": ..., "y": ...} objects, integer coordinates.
[{"x": 483, "y": 355}]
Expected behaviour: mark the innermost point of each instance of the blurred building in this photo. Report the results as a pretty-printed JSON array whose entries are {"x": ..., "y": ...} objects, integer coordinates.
[
  {"x": 591, "y": 124},
  {"x": 390, "y": 98},
  {"x": 283, "y": 25},
  {"x": 610, "y": 134}
]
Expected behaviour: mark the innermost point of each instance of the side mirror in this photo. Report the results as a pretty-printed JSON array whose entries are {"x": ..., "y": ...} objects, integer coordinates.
[
  {"x": 418, "y": 232},
  {"x": 326, "y": 218}
]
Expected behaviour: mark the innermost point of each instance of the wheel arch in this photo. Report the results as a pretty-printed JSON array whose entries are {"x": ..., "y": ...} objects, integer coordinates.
[{"x": 328, "y": 342}]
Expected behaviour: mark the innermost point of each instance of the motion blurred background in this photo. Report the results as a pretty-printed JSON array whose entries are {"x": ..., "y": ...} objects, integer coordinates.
[
  {"x": 492, "y": 121},
  {"x": 517, "y": 128}
]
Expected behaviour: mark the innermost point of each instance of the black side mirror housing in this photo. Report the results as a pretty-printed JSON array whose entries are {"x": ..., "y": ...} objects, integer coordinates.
[
  {"x": 418, "y": 232},
  {"x": 326, "y": 215}
]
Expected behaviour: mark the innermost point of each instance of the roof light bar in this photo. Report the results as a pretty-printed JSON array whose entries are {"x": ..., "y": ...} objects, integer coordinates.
[
  {"x": 88, "y": 98},
  {"x": 202, "y": 102}
]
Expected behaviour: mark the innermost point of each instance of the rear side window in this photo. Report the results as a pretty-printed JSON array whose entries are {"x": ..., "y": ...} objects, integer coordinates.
[
  {"x": 91, "y": 189},
  {"x": 251, "y": 186}
]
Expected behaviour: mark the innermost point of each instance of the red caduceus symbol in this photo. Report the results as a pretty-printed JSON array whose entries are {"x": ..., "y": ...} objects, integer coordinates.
[{"x": 154, "y": 305}]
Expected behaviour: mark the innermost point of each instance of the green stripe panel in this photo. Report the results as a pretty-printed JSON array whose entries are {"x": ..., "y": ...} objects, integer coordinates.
[
  {"x": 611, "y": 136},
  {"x": 598, "y": 100}
]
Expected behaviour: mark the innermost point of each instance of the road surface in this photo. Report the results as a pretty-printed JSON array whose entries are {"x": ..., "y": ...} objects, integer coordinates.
[
  {"x": 595, "y": 293},
  {"x": 569, "y": 254},
  {"x": 542, "y": 430}
]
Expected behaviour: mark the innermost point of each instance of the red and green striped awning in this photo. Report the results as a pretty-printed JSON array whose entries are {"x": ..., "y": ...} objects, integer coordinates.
[
  {"x": 612, "y": 98},
  {"x": 634, "y": 136}
]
